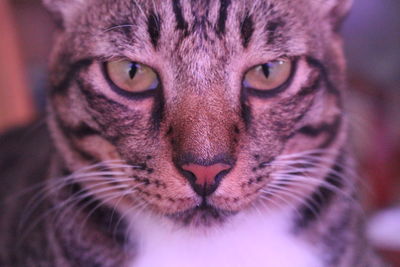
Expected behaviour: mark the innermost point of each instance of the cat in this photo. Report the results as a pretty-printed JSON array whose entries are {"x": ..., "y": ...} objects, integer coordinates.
[{"x": 189, "y": 133}]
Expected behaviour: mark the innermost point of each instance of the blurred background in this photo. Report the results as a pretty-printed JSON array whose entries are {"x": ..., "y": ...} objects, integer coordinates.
[{"x": 372, "y": 45}]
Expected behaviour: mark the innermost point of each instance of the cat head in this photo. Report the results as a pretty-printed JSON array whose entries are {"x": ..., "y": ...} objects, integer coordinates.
[{"x": 199, "y": 102}]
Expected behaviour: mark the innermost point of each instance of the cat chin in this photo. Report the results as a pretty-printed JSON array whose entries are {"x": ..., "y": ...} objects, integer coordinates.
[{"x": 204, "y": 216}]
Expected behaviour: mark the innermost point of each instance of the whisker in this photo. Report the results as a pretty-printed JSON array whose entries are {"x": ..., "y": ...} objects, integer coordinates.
[
  {"x": 302, "y": 182},
  {"x": 137, "y": 208},
  {"x": 271, "y": 192},
  {"x": 81, "y": 196},
  {"x": 69, "y": 201},
  {"x": 83, "y": 175},
  {"x": 117, "y": 27},
  {"x": 271, "y": 201},
  {"x": 101, "y": 202},
  {"x": 118, "y": 194},
  {"x": 44, "y": 215},
  {"x": 55, "y": 186},
  {"x": 294, "y": 195}
]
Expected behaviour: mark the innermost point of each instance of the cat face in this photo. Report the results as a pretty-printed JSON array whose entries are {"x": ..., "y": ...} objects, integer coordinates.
[{"x": 199, "y": 102}]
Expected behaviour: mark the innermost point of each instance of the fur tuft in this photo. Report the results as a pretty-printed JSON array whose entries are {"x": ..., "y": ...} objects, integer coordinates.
[{"x": 63, "y": 10}]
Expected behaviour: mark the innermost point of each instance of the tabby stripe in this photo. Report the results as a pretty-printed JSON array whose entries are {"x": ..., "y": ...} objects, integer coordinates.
[
  {"x": 322, "y": 196},
  {"x": 320, "y": 66},
  {"x": 75, "y": 67},
  {"x": 304, "y": 91},
  {"x": 100, "y": 103},
  {"x": 222, "y": 16},
  {"x": 96, "y": 97},
  {"x": 245, "y": 108},
  {"x": 76, "y": 148},
  {"x": 335, "y": 236},
  {"x": 331, "y": 129},
  {"x": 157, "y": 111},
  {"x": 106, "y": 220},
  {"x": 81, "y": 131},
  {"x": 153, "y": 28},
  {"x": 271, "y": 29},
  {"x": 181, "y": 23},
  {"x": 97, "y": 101},
  {"x": 246, "y": 30}
]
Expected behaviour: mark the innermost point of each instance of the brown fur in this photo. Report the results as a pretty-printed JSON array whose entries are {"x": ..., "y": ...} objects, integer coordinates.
[{"x": 200, "y": 51}]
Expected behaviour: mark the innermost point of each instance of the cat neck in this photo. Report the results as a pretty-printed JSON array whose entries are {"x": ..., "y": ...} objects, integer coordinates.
[{"x": 248, "y": 239}]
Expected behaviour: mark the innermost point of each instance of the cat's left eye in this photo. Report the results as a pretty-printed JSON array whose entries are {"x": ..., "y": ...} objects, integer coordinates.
[
  {"x": 268, "y": 76},
  {"x": 131, "y": 76}
]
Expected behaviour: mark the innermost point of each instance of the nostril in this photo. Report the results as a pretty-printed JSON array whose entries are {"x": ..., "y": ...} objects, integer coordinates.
[
  {"x": 189, "y": 176},
  {"x": 205, "y": 179}
]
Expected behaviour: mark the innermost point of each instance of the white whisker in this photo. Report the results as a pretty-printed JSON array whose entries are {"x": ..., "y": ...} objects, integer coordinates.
[{"x": 117, "y": 27}]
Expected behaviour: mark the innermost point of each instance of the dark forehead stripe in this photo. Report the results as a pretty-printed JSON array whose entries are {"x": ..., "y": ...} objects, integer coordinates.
[
  {"x": 246, "y": 30},
  {"x": 272, "y": 29},
  {"x": 200, "y": 12},
  {"x": 154, "y": 28},
  {"x": 181, "y": 23},
  {"x": 222, "y": 16}
]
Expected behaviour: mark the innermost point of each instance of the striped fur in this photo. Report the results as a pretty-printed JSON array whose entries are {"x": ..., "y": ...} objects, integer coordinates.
[{"x": 119, "y": 155}]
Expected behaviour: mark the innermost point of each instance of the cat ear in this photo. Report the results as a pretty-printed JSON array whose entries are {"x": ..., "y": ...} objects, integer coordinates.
[
  {"x": 63, "y": 10},
  {"x": 336, "y": 11}
]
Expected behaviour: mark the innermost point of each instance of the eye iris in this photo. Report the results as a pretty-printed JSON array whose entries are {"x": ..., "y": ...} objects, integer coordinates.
[
  {"x": 268, "y": 76},
  {"x": 131, "y": 76}
]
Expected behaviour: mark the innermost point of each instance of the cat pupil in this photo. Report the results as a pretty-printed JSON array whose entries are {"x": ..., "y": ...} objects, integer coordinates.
[
  {"x": 132, "y": 70},
  {"x": 266, "y": 70}
]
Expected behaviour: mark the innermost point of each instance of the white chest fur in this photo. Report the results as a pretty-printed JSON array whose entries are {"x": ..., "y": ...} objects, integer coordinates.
[{"x": 249, "y": 240}]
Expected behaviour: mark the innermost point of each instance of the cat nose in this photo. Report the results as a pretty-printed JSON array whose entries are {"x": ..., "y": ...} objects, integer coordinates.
[{"x": 205, "y": 179}]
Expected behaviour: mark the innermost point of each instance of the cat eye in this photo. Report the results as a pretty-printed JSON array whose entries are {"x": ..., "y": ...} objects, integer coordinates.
[
  {"x": 131, "y": 76},
  {"x": 269, "y": 76}
]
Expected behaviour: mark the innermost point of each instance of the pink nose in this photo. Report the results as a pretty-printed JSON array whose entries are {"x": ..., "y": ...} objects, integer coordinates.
[{"x": 206, "y": 177}]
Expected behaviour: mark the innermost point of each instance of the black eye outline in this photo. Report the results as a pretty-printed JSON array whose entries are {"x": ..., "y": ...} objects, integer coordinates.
[
  {"x": 272, "y": 92},
  {"x": 131, "y": 95}
]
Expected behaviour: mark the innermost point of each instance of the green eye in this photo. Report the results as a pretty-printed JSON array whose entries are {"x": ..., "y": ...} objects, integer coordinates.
[
  {"x": 268, "y": 76},
  {"x": 131, "y": 76}
]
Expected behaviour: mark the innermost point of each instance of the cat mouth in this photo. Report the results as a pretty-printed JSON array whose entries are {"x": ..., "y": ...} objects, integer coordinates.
[{"x": 203, "y": 215}]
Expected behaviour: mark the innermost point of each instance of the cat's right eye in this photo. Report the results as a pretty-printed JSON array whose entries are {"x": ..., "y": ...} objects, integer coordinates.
[
  {"x": 269, "y": 76},
  {"x": 131, "y": 76}
]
